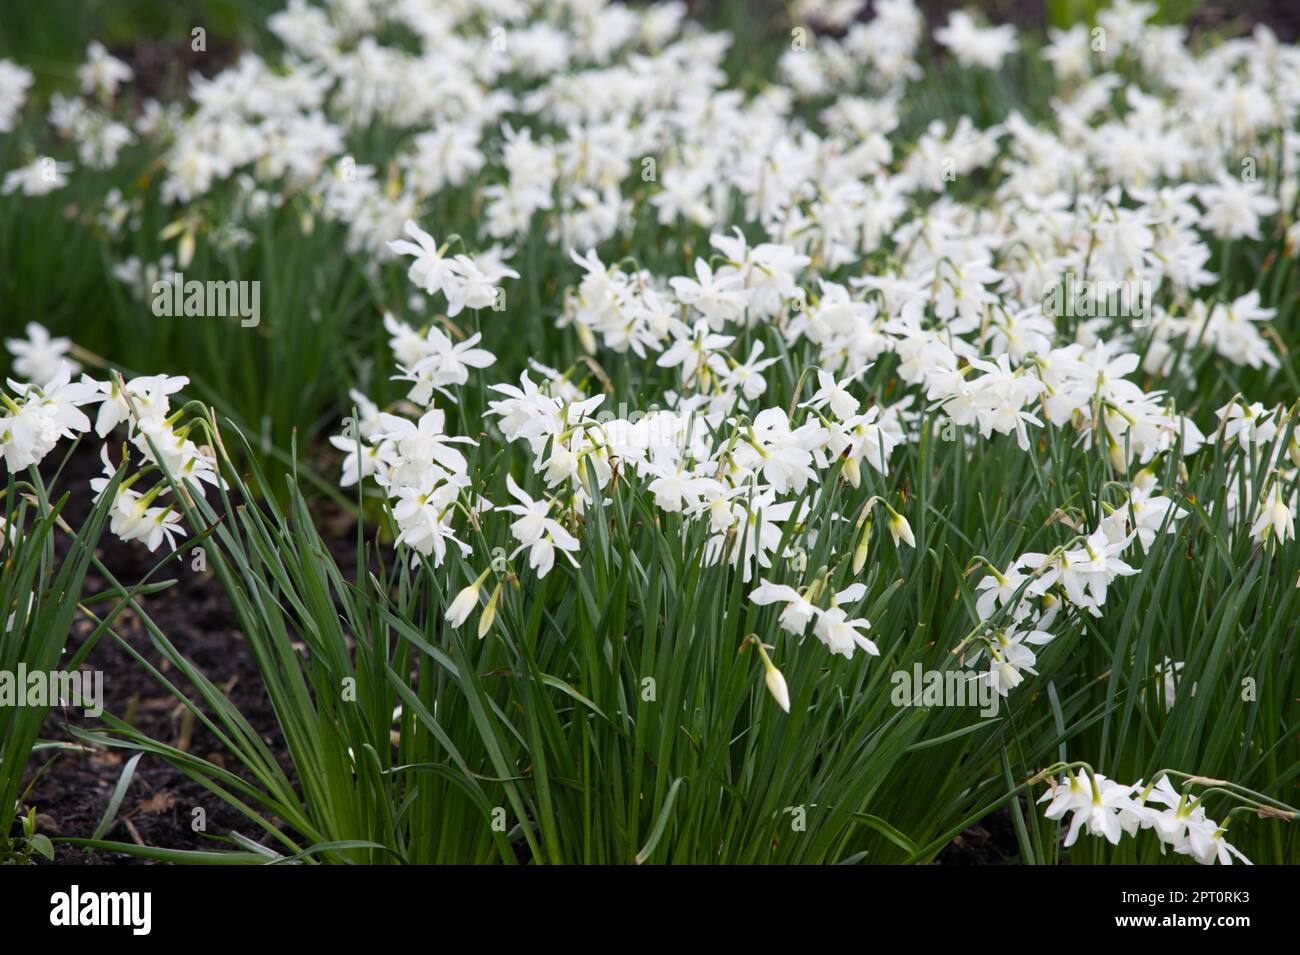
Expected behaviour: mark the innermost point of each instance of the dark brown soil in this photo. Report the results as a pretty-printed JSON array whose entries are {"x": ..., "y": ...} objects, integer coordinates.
[
  {"x": 163, "y": 69},
  {"x": 991, "y": 841}
]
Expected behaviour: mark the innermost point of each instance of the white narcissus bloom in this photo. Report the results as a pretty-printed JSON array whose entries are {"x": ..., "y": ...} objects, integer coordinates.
[
  {"x": 1170, "y": 824},
  {"x": 1275, "y": 518},
  {"x": 561, "y": 466},
  {"x": 747, "y": 377},
  {"x": 1143, "y": 514},
  {"x": 998, "y": 590},
  {"x": 1233, "y": 330},
  {"x": 30, "y": 430},
  {"x": 1072, "y": 794},
  {"x": 719, "y": 298},
  {"x": 1010, "y": 658},
  {"x": 1070, "y": 52},
  {"x": 537, "y": 532},
  {"x": 160, "y": 523},
  {"x": 408, "y": 346},
  {"x": 1205, "y": 843},
  {"x": 37, "y": 178},
  {"x": 102, "y": 73},
  {"x": 423, "y": 518},
  {"x": 429, "y": 271},
  {"x": 675, "y": 488},
  {"x": 860, "y": 438},
  {"x": 1106, "y": 808},
  {"x": 797, "y": 612},
  {"x": 472, "y": 287},
  {"x": 1184, "y": 826},
  {"x": 834, "y": 393},
  {"x": 159, "y": 443},
  {"x": 1233, "y": 207},
  {"x": 134, "y": 517},
  {"x": 1092, "y": 567},
  {"x": 444, "y": 364},
  {"x": 999, "y": 397},
  {"x": 842, "y": 635},
  {"x": 423, "y": 448},
  {"x": 526, "y": 413},
  {"x": 144, "y": 398},
  {"x": 761, "y": 531},
  {"x": 14, "y": 82},
  {"x": 460, "y": 608},
  {"x": 1170, "y": 673},
  {"x": 693, "y": 350},
  {"x": 37, "y": 359},
  {"x": 361, "y": 460},
  {"x": 1247, "y": 423},
  {"x": 781, "y": 454},
  {"x": 974, "y": 45}
]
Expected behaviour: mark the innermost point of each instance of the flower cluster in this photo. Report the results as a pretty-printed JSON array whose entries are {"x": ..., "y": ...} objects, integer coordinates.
[
  {"x": 35, "y": 417},
  {"x": 1110, "y": 810}
]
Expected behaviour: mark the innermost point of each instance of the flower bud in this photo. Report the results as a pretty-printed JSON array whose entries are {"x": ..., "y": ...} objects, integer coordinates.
[
  {"x": 466, "y": 601},
  {"x": 463, "y": 605},
  {"x": 852, "y": 472},
  {"x": 776, "y": 686},
  {"x": 860, "y": 551},
  {"x": 489, "y": 613},
  {"x": 772, "y": 677},
  {"x": 899, "y": 529}
]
